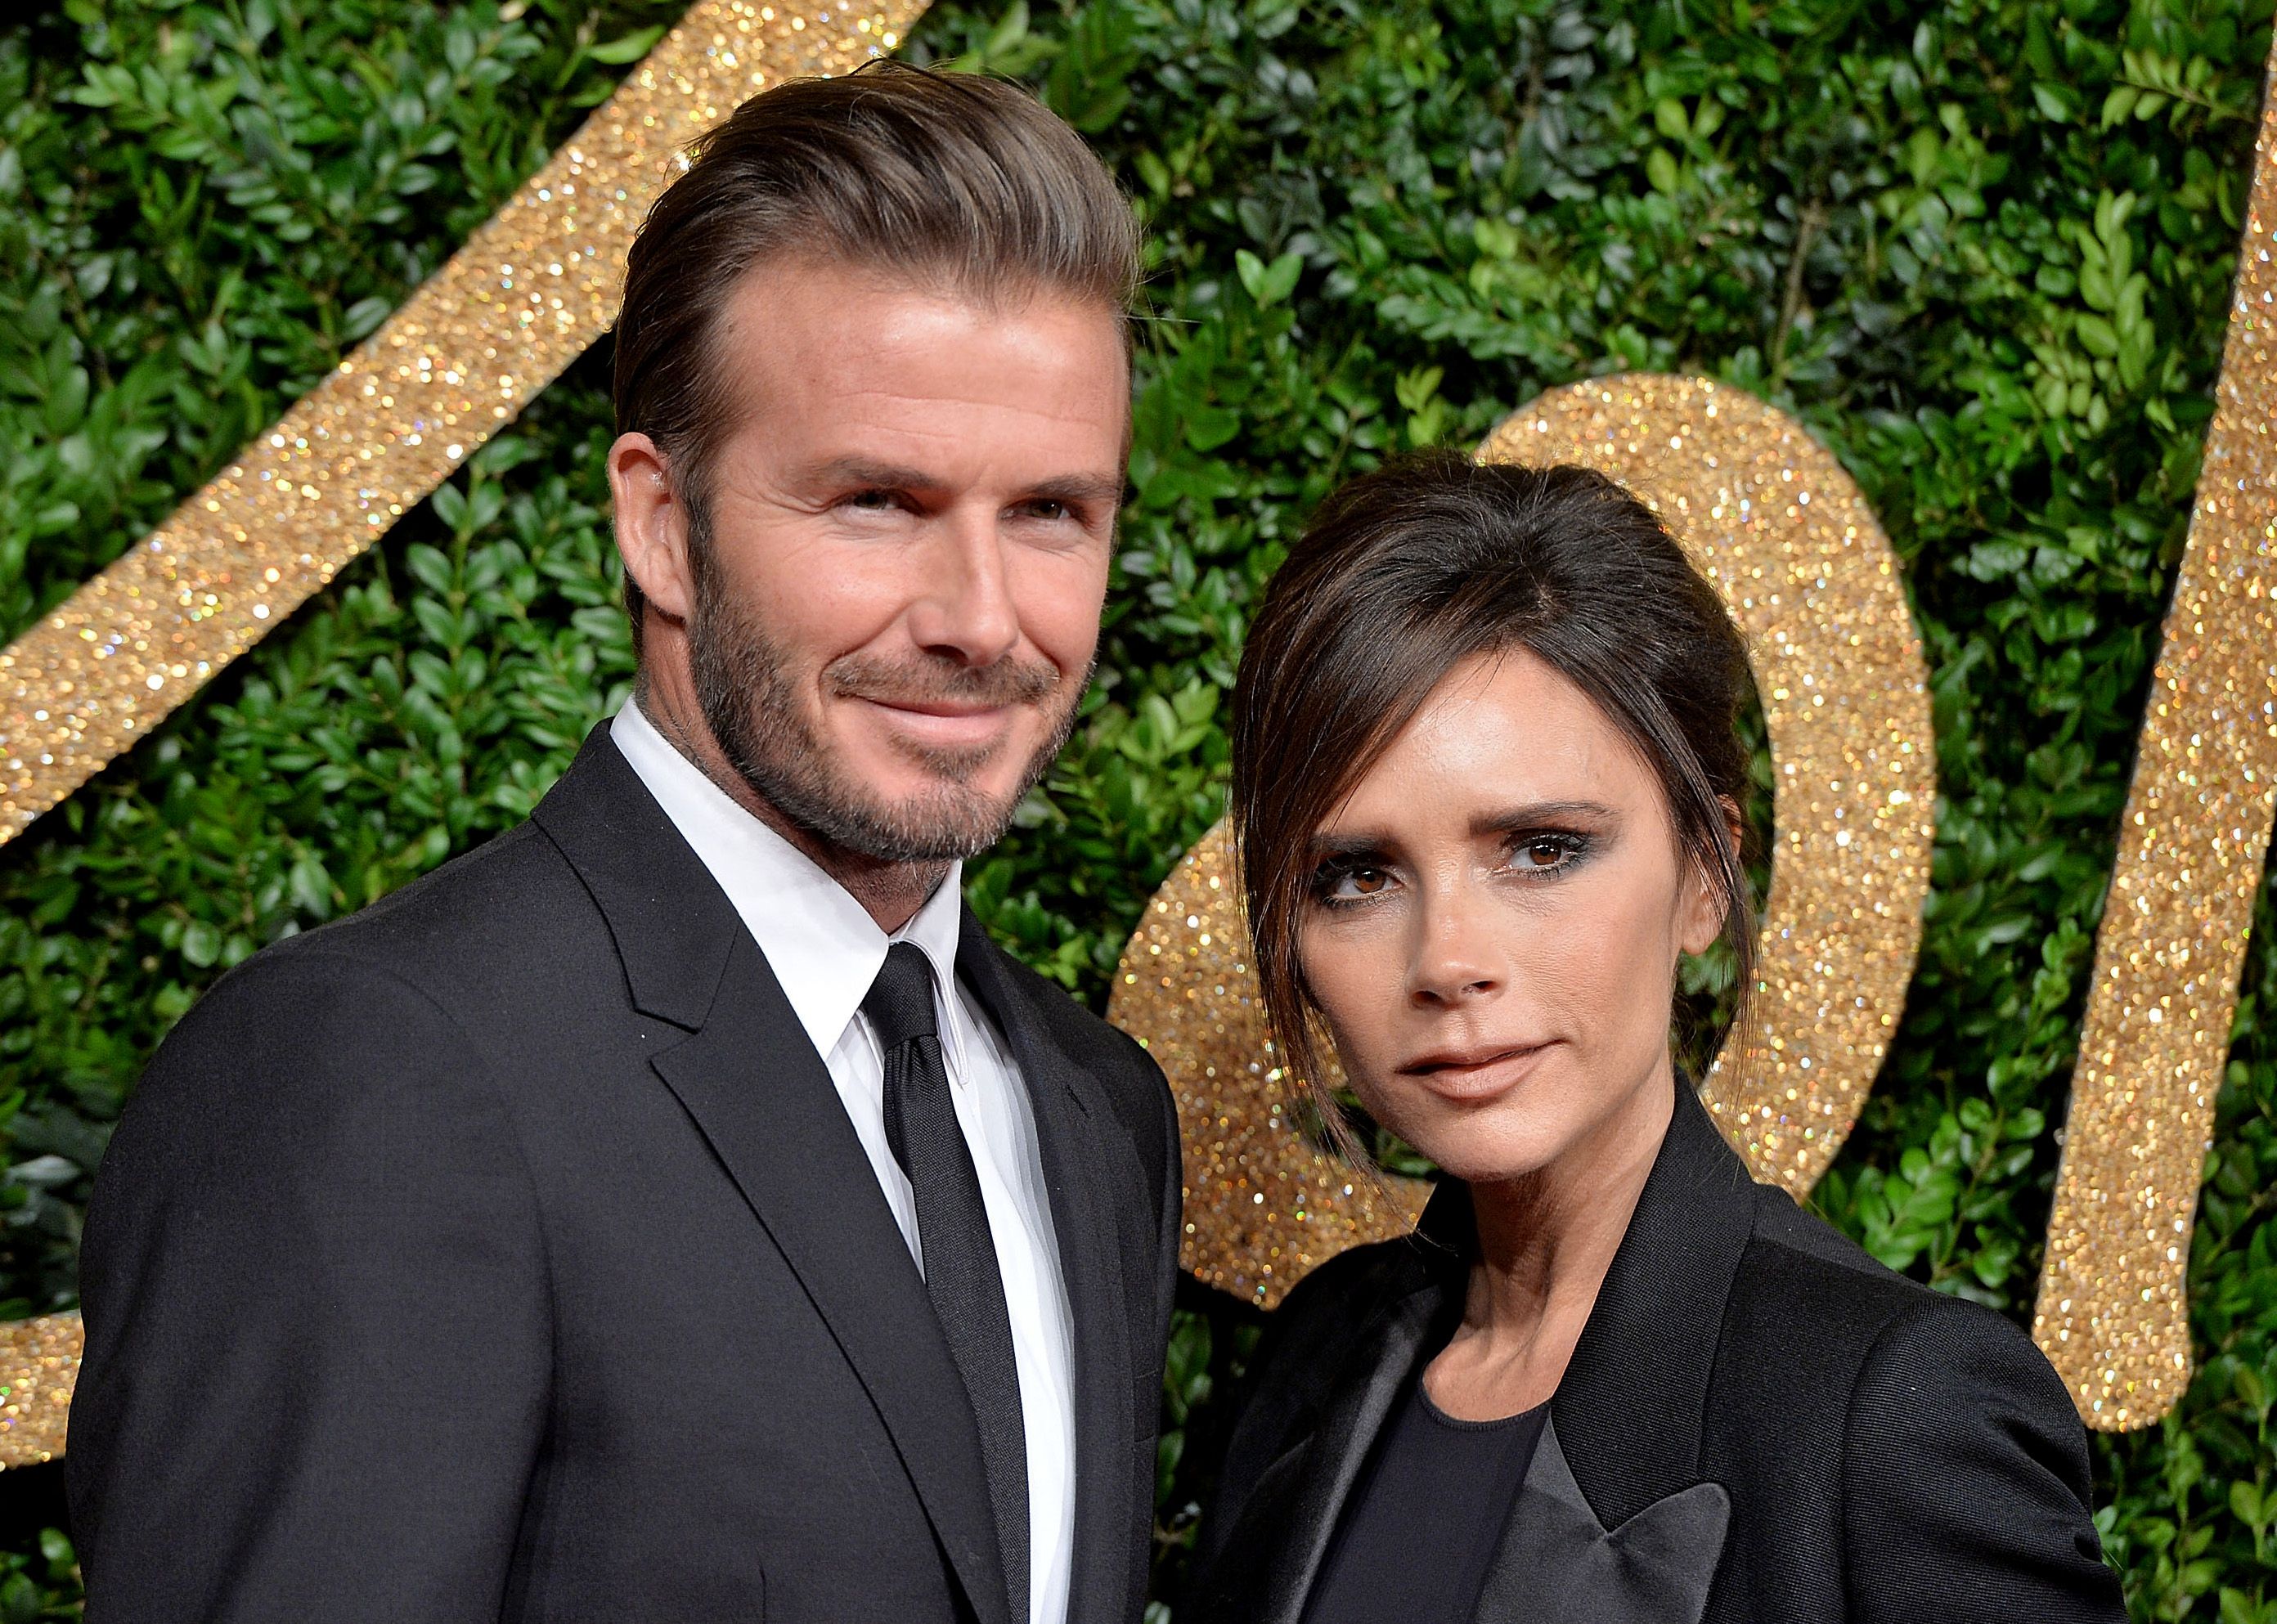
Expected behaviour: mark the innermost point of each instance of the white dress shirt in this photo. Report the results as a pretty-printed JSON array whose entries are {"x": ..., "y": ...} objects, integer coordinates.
[{"x": 826, "y": 950}]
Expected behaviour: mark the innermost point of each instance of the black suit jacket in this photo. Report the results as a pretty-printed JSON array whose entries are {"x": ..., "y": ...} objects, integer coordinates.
[
  {"x": 1760, "y": 1425},
  {"x": 504, "y": 1252}
]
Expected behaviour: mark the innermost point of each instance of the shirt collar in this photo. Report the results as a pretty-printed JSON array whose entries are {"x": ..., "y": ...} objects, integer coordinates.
[{"x": 823, "y": 946}]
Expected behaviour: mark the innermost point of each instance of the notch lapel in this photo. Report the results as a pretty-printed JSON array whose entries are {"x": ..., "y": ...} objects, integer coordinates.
[
  {"x": 763, "y": 1099},
  {"x": 1557, "y": 1563},
  {"x": 1094, "y": 1186}
]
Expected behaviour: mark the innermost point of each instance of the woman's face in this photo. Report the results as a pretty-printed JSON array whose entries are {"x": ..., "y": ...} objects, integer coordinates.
[{"x": 1495, "y": 917}]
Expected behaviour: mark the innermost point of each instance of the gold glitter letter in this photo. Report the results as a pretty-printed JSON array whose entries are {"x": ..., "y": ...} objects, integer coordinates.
[{"x": 2114, "y": 1312}]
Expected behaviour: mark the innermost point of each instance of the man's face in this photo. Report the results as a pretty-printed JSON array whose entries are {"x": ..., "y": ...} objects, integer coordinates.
[{"x": 896, "y": 608}]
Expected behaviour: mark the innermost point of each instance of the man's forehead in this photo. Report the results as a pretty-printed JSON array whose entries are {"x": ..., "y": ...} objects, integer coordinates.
[{"x": 858, "y": 293}]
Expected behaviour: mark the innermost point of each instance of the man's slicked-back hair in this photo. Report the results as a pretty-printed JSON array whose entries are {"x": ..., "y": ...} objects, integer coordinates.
[{"x": 955, "y": 182}]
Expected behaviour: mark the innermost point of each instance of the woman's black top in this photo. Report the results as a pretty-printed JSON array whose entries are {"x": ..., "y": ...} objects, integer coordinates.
[{"x": 1425, "y": 1516}]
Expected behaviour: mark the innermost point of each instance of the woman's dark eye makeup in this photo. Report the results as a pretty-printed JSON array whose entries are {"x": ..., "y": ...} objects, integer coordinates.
[
  {"x": 1547, "y": 851},
  {"x": 1345, "y": 879}
]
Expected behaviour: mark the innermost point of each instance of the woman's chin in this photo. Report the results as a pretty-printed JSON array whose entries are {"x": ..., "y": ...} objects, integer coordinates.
[{"x": 1488, "y": 1152}]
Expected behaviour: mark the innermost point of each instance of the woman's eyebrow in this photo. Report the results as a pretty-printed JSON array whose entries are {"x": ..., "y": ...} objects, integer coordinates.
[
  {"x": 1360, "y": 845},
  {"x": 1508, "y": 820},
  {"x": 1536, "y": 814}
]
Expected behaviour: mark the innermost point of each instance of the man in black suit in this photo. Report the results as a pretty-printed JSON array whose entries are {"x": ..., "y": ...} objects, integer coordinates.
[{"x": 677, "y": 1210}]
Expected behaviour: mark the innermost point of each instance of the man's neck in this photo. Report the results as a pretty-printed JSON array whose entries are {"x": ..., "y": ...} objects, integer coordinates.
[{"x": 890, "y": 892}]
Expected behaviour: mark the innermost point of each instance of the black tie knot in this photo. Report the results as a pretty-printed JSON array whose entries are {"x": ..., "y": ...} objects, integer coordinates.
[{"x": 900, "y": 1004}]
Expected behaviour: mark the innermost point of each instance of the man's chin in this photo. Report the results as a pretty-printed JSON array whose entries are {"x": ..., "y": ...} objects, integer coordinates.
[{"x": 948, "y": 805}]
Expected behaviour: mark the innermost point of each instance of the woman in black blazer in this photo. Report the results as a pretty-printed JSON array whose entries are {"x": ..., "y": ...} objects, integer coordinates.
[{"x": 1486, "y": 792}]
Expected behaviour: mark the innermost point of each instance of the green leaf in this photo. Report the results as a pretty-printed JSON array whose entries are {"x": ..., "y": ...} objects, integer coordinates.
[
  {"x": 628, "y": 48},
  {"x": 201, "y": 943},
  {"x": 1269, "y": 284},
  {"x": 1210, "y": 427}
]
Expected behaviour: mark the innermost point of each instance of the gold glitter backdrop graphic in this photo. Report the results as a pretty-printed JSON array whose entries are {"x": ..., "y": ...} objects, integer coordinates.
[
  {"x": 1785, "y": 534},
  {"x": 526, "y": 295},
  {"x": 2113, "y": 1310}
]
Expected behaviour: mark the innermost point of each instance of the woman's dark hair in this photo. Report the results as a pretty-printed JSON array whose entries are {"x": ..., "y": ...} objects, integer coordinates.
[
  {"x": 957, "y": 181},
  {"x": 1406, "y": 572}
]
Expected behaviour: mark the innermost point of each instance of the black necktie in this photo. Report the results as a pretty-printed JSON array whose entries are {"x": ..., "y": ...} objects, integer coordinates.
[{"x": 953, "y": 1239}]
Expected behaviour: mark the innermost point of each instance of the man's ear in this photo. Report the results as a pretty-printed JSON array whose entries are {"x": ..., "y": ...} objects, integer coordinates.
[{"x": 651, "y": 525}]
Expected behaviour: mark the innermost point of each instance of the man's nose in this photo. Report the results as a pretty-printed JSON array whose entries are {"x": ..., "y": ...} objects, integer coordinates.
[{"x": 963, "y": 609}]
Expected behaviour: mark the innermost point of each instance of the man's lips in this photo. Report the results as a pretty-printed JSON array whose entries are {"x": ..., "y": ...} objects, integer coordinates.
[
  {"x": 943, "y": 721},
  {"x": 1475, "y": 1074}
]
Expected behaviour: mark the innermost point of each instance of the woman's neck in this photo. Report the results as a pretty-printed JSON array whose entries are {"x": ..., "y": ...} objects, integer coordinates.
[{"x": 1545, "y": 1244}]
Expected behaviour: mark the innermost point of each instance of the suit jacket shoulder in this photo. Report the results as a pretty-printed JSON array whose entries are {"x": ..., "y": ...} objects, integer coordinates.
[
  {"x": 494, "y": 934},
  {"x": 1807, "y": 1296}
]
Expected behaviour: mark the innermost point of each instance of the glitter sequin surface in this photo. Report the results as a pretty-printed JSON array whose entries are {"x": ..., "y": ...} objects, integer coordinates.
[
  {"x": 39, "y": 1362},
  {"x": 530, "y": 290},
  {"x": 1769, "y": 516},
  {"x": 1263, "y": 1204},
  {"x": 2113, "y": 1311}
]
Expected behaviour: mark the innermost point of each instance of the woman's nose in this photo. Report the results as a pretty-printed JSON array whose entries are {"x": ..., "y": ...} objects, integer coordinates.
[{"x": 1457, "y": 955}]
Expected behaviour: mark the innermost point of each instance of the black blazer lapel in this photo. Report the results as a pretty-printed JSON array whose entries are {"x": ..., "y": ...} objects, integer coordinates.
[
  {"x": 747, "y": 1074},
  {"x": 1614, "y": 1525},
  {"x": 1558, "y": 1565},
  {"x": 1633, "y": 1403},
  {"x": 1273, "y": 1554},
  {"x": 1096, "y": 1190}
]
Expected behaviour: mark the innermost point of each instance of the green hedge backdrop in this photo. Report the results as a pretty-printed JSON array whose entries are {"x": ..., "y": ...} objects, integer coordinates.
[{"x": 1980, "y": 246}]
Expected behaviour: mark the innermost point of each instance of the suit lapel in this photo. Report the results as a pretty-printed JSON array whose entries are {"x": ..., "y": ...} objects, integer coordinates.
[
  {"x": 1634, "y": 1400},
  {"x": 1093, "y": 1186},
  {"x": 763, "y": 1099},
  {"x": 1558, "y": 1565},
  {"x": 1275, "y": 1553}
]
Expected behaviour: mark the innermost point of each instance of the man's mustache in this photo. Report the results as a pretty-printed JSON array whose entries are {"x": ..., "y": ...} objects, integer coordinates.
[{"x": 1007, "y": 682}]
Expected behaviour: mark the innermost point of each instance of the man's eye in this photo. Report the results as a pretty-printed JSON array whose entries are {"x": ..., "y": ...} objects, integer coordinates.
[
  {"x": 874, "y": 501},
  {"x": 1047, "y": 509}
]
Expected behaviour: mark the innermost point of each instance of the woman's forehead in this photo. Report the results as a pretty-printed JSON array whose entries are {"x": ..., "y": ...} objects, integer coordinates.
[{"x": 1506, "y": 728}]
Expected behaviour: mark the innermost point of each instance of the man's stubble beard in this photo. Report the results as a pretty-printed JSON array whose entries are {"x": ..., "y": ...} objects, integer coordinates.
[{"x": 749, "y": 703}]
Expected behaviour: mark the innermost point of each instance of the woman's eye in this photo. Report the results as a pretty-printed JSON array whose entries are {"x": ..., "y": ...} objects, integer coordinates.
[
  {"x": 1351, "y": 885},
  {"x": 1542, "y": 855}
]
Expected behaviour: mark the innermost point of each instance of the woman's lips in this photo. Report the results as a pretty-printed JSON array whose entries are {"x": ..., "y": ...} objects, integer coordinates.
[{"x": 1475, "y": 1075}]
